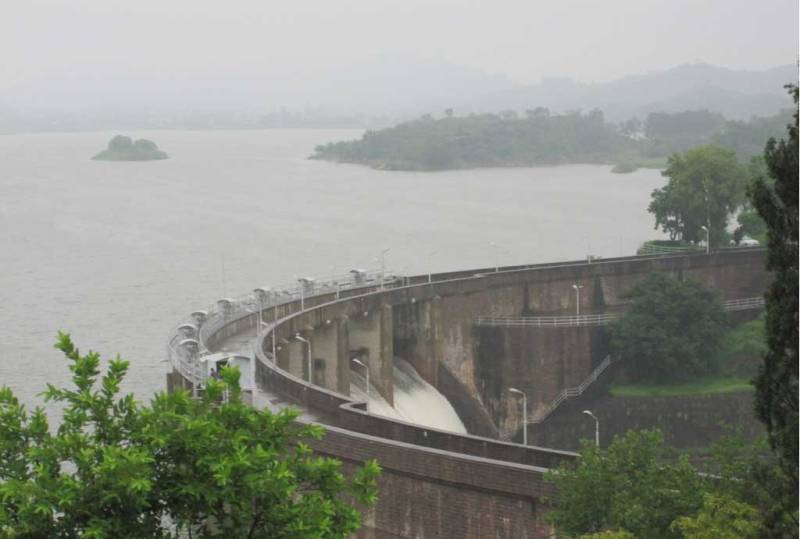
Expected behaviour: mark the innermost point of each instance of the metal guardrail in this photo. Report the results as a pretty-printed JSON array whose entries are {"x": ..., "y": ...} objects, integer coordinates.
[
  {"x": 744, "y": 304},
  {"x": 601, "y": 319},
  {"x": 187, "y": 344},
  {"x": 568, "y": 393},
  {"x": 548, "y": 321}
]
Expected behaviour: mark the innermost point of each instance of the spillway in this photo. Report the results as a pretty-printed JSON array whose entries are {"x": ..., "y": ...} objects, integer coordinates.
[{"x": 415, "y": 400}]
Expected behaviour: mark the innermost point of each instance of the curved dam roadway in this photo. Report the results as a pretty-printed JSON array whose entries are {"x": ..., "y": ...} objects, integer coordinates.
[{"x": 437, "y": 483}]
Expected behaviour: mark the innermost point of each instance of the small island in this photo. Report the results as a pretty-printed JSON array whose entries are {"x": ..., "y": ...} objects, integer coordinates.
[{"x": 122, "y": 148}]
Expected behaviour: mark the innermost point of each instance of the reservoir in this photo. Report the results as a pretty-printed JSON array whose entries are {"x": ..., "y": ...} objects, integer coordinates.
[{"x": 116, "y": 252}]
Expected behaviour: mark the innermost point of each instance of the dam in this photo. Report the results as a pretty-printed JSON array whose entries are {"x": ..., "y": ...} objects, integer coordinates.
[{"x": 466, "y": 337}]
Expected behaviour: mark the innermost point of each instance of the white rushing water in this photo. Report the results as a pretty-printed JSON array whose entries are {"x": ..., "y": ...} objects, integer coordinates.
[
  {"x": 117, "y": 252},
  {"x": 415, "y": 400}
]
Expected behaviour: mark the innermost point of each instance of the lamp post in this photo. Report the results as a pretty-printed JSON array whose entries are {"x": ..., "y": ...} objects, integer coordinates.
[
  {"x": 308, "y": 360},
  {"x": 302, "y": 285},
  {"x": 496, "y": 265},
  {"x": 577, "y": 288},
  {"x": 383, "y": 264},
  {"x": 596, "y": 427},
  {"x": 708, "y": 241},
  {"x": 358, "y": 362},
  {"x": 524, "y": 413},
  {"x": 430, "y": 277},
  {"x": 261, "y": 295}
]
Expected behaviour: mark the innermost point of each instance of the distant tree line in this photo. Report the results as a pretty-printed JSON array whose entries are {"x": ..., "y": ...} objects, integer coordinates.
[
  {"x": 538, "y": 137},
  {"x": 486, "y": 140}
]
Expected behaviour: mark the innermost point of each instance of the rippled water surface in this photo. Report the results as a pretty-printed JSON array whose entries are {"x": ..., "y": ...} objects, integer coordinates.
[{"x": 116, "y": 252}]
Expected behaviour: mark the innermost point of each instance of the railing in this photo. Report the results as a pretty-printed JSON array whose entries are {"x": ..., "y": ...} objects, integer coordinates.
[
  {"x": 601, "y": 319},
  {"x": 548, "y": 321},
  {"x": 568, "y": 393},
  {"x": 744, "y": 304},
  {"x": 650, "y": 249},
  {"x": 572, "y": 392},
  {"x": 187, "y": 345}
]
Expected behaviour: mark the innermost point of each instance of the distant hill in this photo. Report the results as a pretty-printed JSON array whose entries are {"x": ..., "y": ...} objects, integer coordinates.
[{"x": 736, "y": 94}]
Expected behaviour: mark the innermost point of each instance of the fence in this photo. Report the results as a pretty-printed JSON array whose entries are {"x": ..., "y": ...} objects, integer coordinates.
[{"x": 601, "y": 319}]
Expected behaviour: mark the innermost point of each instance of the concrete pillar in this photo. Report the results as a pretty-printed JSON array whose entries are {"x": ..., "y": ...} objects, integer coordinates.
[
  {"x": 385, "y": 365},
  {"x": 296, "y": 358},
  {"x": 421, "y": 352},
  {"x": 331, "y": 353},
  {"x": 342, "y": 356},
  {"x": 370, "y": 338}
]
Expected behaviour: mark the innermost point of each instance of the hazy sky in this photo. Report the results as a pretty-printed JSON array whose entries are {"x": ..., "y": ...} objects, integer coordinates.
[{"x": 44, "y": 43}]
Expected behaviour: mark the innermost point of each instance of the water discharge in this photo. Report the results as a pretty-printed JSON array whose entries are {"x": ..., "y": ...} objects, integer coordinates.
[{"x": 415, "y": 400}]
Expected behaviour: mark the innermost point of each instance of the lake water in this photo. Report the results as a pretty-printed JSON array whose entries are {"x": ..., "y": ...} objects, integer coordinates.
[{"x": 116, "y": 252}]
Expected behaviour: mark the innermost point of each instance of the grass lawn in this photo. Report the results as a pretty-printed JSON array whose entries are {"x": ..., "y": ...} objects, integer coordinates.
[{"x": 703, "y": 386}]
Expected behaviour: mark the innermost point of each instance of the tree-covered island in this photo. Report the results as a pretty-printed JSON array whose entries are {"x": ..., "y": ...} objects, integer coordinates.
[
  {"x": 486, "y": 140},
  {"x": 537, "y": 137},
  {"x": 122, "y": 148}
]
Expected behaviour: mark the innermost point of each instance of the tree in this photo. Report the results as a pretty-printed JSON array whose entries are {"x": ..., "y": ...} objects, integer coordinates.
[
  {"x": 120, "y": 143},
  {"x": 777, "y": 381},
  {"x": 671, "y": 330},
  {"x": 209, "y": 467},
  {"x": 706, "y": 185},
  {"x": 636, "y": 484},
  {"x": 616, "y": 534},
  {"x": 721, "y": 517}
]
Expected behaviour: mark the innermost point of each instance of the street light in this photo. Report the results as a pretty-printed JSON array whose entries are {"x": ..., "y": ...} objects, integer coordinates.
[
  {"x": 302, "y": 294},
  {"x": 596, "y": 427},
  {"x": 308, "y": 342},
  {"x": 577, "y": 288},
  {"x": 383, "y": 264},
  {"x": 430, "y": 278},
  {"x": 524, "y": 413},
  {"x": 358, "y": 362},
  {"x": 708, "y": 242},
  {"x": 500, "y": 249}
]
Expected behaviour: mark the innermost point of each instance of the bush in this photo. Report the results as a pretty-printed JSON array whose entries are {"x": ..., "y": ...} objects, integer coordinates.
[
  {"x": 209, "y": 467},
  {"x": 671, "y": 331}
]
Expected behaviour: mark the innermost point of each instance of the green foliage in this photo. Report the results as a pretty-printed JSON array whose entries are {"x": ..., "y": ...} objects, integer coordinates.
[
  {"x": 742, "y": 348},
  {"x": 706, "y": 385},
  {"x": 122, "y": 148},
  {"x": 706, "y": 185},
  {"x": 777, "y": 382},
  {"x": 751, "y": 225},
  {"x": 677, "y": 132},
  {"x": 610, "y": 534},
  {"x": 747, "y": 138},
  {"x": 641, "y": 486},
  {"x": 637, "y": 484},
  {"x": 211, "y": 467},
  {"x": 669, "y": 133},
  {"x": 486, "y": 140},
  {"x": 721, "y": 517},
  {"x": 670, "y": 332}
]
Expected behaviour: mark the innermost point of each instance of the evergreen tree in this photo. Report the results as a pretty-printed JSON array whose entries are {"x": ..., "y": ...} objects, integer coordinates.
[{"x": 776, "y": 384}]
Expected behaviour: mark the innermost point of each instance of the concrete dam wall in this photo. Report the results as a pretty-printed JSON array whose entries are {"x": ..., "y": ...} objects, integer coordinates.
[{"x": 438, "y": 483}]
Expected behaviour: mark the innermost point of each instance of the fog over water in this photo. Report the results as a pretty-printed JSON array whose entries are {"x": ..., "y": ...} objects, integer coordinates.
[{"x": 117, "y": 252}]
